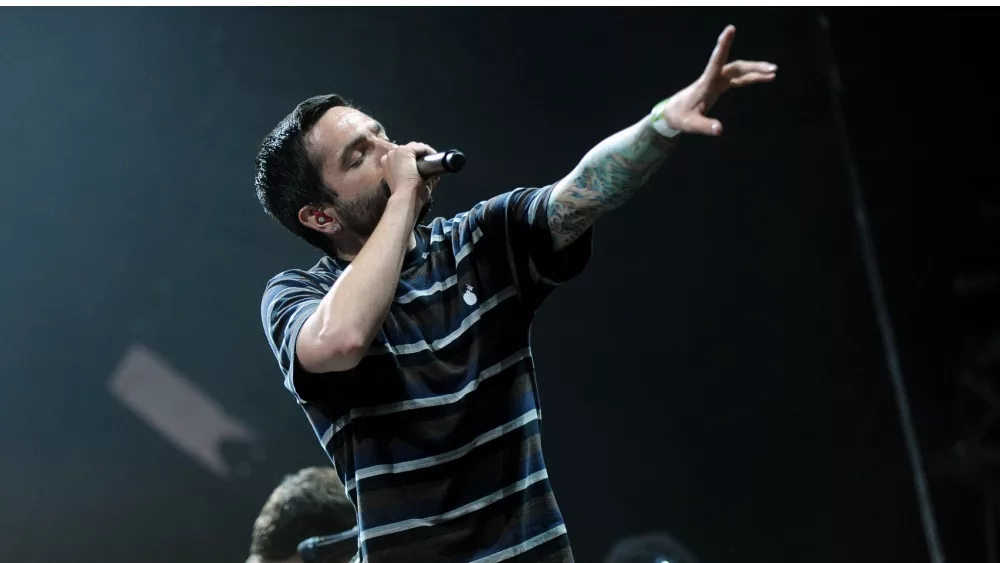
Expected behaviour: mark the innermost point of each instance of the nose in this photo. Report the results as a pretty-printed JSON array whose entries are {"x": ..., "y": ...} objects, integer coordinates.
[
  {"x": 382, "y": 148},
  {"x": 384, "y": 145}
]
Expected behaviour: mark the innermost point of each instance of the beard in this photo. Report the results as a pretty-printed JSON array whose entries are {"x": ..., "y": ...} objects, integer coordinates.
[{"x": 362, "y": 214}]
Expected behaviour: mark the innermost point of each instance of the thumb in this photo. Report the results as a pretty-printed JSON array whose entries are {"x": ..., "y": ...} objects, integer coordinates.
[{"x": 697, "y": 123}]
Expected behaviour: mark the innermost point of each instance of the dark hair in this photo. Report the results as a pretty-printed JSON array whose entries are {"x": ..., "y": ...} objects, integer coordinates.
[
  {"x": 309, "y": 503},
  {"x": 287, "y": 178}
]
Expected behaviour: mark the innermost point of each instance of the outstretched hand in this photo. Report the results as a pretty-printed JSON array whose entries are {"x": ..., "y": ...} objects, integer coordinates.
[{"x": 685, "y": 110}]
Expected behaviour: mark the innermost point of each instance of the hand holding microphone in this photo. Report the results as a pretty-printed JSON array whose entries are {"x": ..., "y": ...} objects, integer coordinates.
[
  {"x": 399, "y": 166},
  {"x": 429, "y": 163},
  {"x": 432, "y": 166},
  {"x": 415, "y": 165}
]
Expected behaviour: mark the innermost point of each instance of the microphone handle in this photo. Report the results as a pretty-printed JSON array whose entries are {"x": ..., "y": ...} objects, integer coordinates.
[
  {"x": 439, "y": 163},
  {"x": 323, "y": 548}
]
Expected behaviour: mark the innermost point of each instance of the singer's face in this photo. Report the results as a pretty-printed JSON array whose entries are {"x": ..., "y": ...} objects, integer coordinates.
[{"x": 347, "y": 146}]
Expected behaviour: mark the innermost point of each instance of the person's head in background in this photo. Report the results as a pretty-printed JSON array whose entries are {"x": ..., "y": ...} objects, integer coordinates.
[{"x": 307, "y": 504}]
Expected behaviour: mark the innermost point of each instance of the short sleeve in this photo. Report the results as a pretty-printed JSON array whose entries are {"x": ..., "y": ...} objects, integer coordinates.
[
  {"x": 289, "y": 299},
  {"x": 521, "y": 217}
]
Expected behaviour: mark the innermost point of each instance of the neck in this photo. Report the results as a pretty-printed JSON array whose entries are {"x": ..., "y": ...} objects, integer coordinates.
[{"x": 348, "y": 249}]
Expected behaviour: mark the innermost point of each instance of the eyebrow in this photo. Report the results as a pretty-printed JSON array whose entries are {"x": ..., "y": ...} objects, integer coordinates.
[{"x": 357, "y": 141}]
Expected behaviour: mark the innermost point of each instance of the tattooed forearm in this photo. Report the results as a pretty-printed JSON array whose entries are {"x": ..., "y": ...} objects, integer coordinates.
[{"x": 605, "y": 179}]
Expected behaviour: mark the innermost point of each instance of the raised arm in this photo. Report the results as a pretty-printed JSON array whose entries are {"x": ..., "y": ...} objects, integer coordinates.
[
  {"x": 337, "y": 335},
  {"x": 618, "y": 166}
]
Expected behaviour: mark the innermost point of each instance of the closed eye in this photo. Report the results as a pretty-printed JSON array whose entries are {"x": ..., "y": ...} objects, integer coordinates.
[
  {"x": 361, "y": 145},
  {"x": 364, "y": 152}
]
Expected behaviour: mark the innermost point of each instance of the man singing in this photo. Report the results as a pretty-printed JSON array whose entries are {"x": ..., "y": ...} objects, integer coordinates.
[{"x": 407, "y": 345}]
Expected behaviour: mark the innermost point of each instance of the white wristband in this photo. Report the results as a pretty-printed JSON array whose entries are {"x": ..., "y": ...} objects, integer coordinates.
[{"x": 660, "y": 123}]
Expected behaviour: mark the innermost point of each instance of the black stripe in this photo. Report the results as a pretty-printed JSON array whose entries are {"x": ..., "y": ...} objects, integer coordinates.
[
  {"x": 441, "y": 488},
  {"x": 556, "y": 550},
  {"x": 384, "y": 379},
  {"x": 503, "y": 524},
  {"x": 409, "y": 435}
]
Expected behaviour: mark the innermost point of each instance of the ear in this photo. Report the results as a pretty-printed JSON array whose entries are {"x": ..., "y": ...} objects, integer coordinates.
[{"x": 322, "y": 219}]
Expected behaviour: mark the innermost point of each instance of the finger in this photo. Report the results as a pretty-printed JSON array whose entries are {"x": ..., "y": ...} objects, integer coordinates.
[
  {"x": 721, "y": 52},
  {"x": 738, "y": 68},
  {"x": 752, "y": 78},
  {"x": 420, "y": 149},
  {"x": 697, "y": 123}
]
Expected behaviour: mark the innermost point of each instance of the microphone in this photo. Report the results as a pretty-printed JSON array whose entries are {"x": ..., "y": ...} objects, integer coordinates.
[
  {"x": 436, "y": 164},
  {"x": 325, "y": 548}
]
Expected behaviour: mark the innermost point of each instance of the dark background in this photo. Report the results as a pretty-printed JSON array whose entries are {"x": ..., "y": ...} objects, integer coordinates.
[{"x": 716, "y": 373}]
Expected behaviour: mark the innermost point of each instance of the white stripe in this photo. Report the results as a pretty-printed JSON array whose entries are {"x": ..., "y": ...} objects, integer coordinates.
[
  {"x": 427, "y": 402},
  {"x": 274, "y": 301},
  {"x": 525, "y": 546},
  {"x": 446, "y": 227},
  {"x": 416, "y": 293},
  {"x": 270, "y": 307},
  {"x": 431, "y": 461},
  {"x": 476, "y": 235},
  {"x": 445, "y": 232},
  {"x": 288, "y": 339},
  {"x": 270, "y": 340},
  {"x": 473, "y": 506},
  {"x": 470, "y": 320},
  {"x": 505, "y": 293},
  {"x": 442, "y": 285}
]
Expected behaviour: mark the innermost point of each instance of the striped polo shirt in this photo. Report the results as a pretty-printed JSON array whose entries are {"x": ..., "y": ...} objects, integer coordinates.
[{"x": 436, "y": 432}]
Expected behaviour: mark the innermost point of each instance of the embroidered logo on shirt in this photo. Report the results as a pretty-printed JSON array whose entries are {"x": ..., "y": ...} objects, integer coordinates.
[{"x": 469, "y": 297}]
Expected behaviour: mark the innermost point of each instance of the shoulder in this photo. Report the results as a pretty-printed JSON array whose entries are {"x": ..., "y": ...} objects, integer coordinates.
[
  {"x": 322, "y": 273},
  {"x": 317, "y": 279}
]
